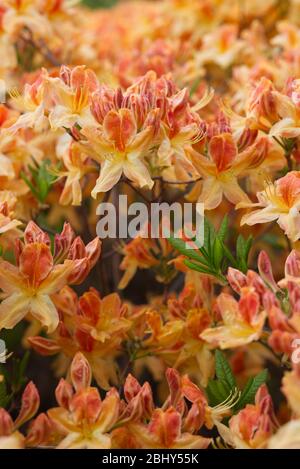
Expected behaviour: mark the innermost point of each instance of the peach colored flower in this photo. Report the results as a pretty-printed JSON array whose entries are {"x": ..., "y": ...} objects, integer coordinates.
[
  {"x": 279, "y": 201},
  {"x": 243, "y": 321},
  {"x": 10, "y": 437},
  {"x": 92, "y": 325},
  {"x": 83, "y": 418},
  {"x": 28, "y": 286}
]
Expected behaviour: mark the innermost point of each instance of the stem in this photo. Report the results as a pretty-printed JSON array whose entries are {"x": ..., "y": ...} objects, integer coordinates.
[
  {"x": 42, "y": 47},
  {"x": 166, "y": 293},
  {"x": 116, "y": 258},
  {"x": 137, "y": 191},
  {"x": 191, "y": 181},
  {"x": 289, "y": 161}
]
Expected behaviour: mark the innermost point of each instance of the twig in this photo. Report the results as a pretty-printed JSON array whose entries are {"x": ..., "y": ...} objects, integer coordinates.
[
  {"x": 115, "y": 262},
  {"x": 42, "y": 47},
  {"x": 137, "y": 191},
  {"x": 191, "y": 181}
]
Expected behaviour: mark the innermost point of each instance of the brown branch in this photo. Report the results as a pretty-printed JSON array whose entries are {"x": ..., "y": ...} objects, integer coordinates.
[
  {"x": 160, "y": 178},
  {"x": 42, "y": 47},
  {"x": 137, "y": 191}
]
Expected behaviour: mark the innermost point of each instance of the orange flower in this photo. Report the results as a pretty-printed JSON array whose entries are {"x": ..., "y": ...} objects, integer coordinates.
[
  {"x": 9, "y": 226},
  {"x": 279, "y": 201},
  {"x": 10, "y": 437},
  {"x": 181, "y": 129},
  {"x": 165, "y": 431},
  {"x": 287, "y": 104},
  {"x": 33, "y": 103},
  {"x": 252, "y": 427},
  {"x": 125, "y": 147},
  {"x": 222, "y": 47},
  {"x": 76, "y": 161},
  {"x": 93, "y": 325},
  {"x": 172, "y": 426},
  {"x": 82, "y": 418},
  {"x": 28, "y": 286},
  {"x": 145, "y": 253},
  {"x": 71, "y": 95},
  {"x": 224, "y": 166},
  {"x": 243, "y": 321},
  {"x": 24, "y": 14}
]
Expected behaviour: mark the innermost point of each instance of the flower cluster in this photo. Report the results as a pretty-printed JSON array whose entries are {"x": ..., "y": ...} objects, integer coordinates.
[{"x": 157, "y": 341}]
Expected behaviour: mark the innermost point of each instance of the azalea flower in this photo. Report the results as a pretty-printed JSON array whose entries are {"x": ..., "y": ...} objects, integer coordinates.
[
  {"x": 195, "y": 356},
  {"x": 10, "y": 437},
  {"x": 164, "y": 431},
  {"x": 125, "y": 148},
  {"x": 181, "y": 129},
  {"x": 252, "y": 426},
  {"x": 279, "y": 201},
  {"x": 7, "y": 207},
  {"x": 76, "y": 162},
  {"x": 83, "y": 418},
  {"x": 28, "y": 286},
  {"x": 71, "y": 95},
  {"x": 90, "y": 324},
  {"x": 283, "y": 317},
  {"x": 243, "y": 321},
  {"x": 221, "y": 47},
  {"x": 144, "y": 253},
  {"x": 287, "y": 105},
  {"x": 172, "y": 426},
  {"x": 24, "y": 13},
  {"x": 33, "y": 103},
  {"x": 223, "y": 168}
]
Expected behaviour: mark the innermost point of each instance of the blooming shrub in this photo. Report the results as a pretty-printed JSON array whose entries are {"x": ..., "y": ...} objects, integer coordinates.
[{"x": 145, "y": 342}]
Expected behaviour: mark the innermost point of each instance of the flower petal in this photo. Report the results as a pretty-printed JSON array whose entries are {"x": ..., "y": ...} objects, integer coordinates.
[{"x": 13, "y": 309}]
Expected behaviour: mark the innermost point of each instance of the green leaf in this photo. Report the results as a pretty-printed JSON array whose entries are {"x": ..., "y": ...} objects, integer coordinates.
[
  {"x": 199, "y": 245},
  {"x": 248, "y": 246},
  {"x": 180, "y": 245},
  {"x": 223, "y": 370},
  {"x": 42, "y": 180},
  {"x": 250, "y": 390},
  {"x": 218, "y": 252},
  {"x": 229, "y": 256},
  {"x": 242, "y": 252},
  {"x": 209, "y": 237},
  {"x": 214, "y": 257},
  {"x": 240, "y": 247},
  {"x": 217, "y": 391},
  {"x": 223, "y": 230},
  {"x": 29, "y": 184},
  {"x": 198, "y": 267}
]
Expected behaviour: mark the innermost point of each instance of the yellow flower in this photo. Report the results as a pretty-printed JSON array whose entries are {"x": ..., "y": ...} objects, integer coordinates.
[{"x": 242, "y": 321}]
